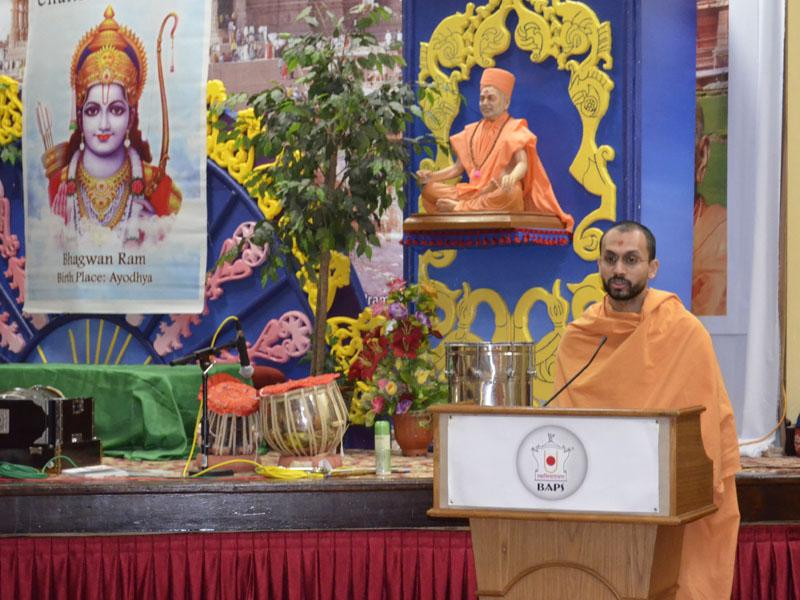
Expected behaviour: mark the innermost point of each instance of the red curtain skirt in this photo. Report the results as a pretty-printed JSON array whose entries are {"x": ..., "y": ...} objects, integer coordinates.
[
  {"x": 340, "y": 565},
  {"x": 768, "y": 563}
]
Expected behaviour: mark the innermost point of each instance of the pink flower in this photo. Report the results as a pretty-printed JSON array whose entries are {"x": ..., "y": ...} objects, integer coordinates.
[
  {"x": 396, "y": 285},
  {"x": 382, "y": 384},
  {"x": 379, "y": 308},
  {"x": 377, "y": 404}
]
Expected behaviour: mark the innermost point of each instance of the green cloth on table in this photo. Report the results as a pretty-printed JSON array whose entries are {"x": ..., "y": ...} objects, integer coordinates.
[{"x": 140, "y": 412}]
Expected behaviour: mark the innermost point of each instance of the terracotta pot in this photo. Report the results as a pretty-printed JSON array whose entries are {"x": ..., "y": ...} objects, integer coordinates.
[{"x": 414, "y": 432}]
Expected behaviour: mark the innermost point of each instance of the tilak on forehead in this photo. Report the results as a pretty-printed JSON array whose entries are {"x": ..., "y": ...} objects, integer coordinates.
[
  {"x": 109, "y": 53},
  {"x": 499, "y": 78}
]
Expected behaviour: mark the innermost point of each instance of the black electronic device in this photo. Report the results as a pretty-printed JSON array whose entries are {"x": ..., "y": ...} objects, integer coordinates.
[{"x": 37, "y": 424}]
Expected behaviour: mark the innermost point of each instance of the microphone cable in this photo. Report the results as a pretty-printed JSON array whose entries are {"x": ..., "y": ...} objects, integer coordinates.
[
  {"x": 603, "y": 340},
  {"x": 195, "y": 433}
]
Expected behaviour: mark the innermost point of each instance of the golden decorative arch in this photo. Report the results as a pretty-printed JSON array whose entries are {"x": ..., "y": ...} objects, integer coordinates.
[
  {"x": 570, "y": 33},
  {"x": 567, "y": 31}
]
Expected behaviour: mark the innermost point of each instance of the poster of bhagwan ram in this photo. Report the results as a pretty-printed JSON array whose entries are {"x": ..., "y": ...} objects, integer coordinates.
[{"x": 114, "y": 157}]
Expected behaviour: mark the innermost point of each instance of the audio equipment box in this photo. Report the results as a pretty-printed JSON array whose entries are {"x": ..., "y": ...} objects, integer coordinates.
[{"x": 38, "y": 424}]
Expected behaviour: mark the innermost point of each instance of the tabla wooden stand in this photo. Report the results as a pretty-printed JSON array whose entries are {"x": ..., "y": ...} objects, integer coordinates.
[{"x": 586, "y": 550}]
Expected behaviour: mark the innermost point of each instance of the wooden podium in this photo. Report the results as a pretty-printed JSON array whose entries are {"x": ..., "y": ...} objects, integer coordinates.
[{"x": 572, "y": 504}]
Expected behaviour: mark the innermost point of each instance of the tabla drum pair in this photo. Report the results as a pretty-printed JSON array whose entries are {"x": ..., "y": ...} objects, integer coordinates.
[
  {"x": 307, "y": 417},
  {"x": 491, "y": 374}
]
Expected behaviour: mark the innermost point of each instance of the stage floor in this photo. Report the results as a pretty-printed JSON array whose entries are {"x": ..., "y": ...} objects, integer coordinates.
[{"x": 154, "y": 498}]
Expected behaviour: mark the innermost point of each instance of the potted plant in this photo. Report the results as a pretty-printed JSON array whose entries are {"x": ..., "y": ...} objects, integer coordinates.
[
  {"x": 394, "y": 373},
  {"x": 338, "y": 148}
]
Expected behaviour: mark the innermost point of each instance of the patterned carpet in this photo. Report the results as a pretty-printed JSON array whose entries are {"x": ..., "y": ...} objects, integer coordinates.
[{"x": 403, "y": 467}]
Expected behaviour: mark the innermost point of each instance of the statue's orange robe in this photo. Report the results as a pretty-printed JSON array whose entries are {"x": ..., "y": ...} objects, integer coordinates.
[
  {"x": 662, "y": 358},
  {"x": 486, "y": 161}
]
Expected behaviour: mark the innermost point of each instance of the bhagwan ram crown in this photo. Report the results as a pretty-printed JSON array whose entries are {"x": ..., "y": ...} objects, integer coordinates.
[{"x": 109, "y": 54}]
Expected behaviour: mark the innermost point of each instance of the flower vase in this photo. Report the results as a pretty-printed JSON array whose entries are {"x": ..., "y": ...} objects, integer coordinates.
[{"x": 413, "y": 431}]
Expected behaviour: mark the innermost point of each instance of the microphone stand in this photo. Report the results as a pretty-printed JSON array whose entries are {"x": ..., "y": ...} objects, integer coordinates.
[
  {"x": 205, "y": 366},
  {"x": 203, "y": 358}
]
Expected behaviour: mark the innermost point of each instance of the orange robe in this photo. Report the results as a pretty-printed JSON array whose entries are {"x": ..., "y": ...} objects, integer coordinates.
[
  {"x": 710, "y": 259},
  {"x": 486, "y": 150},
  {"x": 662, "y": 358}
]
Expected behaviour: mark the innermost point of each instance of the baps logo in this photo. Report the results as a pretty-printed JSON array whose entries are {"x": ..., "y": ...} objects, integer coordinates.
[{"x": 551, "y": 462}]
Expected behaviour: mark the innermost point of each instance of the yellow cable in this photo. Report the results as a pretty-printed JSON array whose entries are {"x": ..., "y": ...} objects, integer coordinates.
[
  {"x": 274, "y": 472},
  {"x": 200, "y": 407},
  {"x": 58, "y": 459},
  {"x": 221, "y": 325},
  {"x": 194, "y": 438}
]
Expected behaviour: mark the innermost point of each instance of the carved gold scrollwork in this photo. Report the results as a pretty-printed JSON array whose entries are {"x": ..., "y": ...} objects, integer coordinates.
[
  {"x": 570, "y": 33},
  {"x": 491, "y": 36},
  {"x": 533, "y": 34},
  {"x": 587, "y": 292},
  {"x": 546, "y": 346},
  {"x": 237, "y": 161},
  {"x": 345, "y": 334},
  {"x": 338, "y": 277},
  {"x": 577, "y": 30},
  {"x": 10, "y": 111}
]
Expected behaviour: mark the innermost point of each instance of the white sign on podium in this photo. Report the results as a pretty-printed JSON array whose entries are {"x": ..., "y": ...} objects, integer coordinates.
[{"x": 553, "y": 463}]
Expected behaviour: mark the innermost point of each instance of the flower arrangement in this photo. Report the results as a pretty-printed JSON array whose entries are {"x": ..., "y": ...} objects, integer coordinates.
[{"x": 394, "y": 372}]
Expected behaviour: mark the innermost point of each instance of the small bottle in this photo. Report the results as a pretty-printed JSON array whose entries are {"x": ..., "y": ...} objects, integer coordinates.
[{"x": 383, "y": 448}]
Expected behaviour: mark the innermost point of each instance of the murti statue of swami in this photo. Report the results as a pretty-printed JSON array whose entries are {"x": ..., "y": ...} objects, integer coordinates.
[{"x": 500, "y": 158}]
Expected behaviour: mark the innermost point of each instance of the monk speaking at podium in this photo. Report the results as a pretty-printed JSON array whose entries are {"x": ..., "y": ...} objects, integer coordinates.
[
  {"x": 500, "y": 157},
  {"x": 658, "y": 356}
]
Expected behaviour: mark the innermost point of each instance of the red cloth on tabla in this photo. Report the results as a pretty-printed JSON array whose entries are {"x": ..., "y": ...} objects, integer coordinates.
[
  {"x": 230, "y": 395},
  {"x": 491, "y": 159},
  {"x": 295, "y": 384},
  {"x": 662, "y": 358}
]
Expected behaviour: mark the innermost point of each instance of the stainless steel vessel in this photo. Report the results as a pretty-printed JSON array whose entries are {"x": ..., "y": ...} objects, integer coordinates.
[{"x": 491, "y": 374}]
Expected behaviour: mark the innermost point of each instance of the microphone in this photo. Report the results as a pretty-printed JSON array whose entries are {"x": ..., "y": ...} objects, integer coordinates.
[
  {"x": 603, "y": 340},
  {"x": 245, "y": 368}
]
